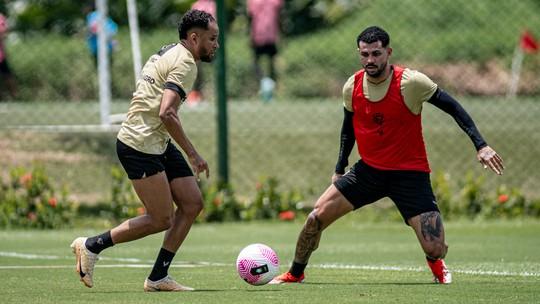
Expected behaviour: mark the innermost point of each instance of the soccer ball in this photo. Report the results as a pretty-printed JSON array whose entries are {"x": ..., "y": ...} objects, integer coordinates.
[{"x": 257, "y": 264}]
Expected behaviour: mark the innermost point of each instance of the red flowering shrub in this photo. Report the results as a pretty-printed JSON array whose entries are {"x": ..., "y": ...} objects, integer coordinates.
[
  {"x": 288, "y": 215},
  {"x": 29, "y": 199}
]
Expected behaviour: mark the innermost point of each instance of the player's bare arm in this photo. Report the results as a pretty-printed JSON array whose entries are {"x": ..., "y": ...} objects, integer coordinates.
[{"x": 168, "y": 114}]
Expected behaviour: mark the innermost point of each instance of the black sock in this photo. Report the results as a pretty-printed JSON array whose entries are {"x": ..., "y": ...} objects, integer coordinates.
[
  {"x": 430, "y": 259},
  {"x": 161, "y": 267},
  {"x": 297, "y": 269},
  {"x": 99, "y": 242}
]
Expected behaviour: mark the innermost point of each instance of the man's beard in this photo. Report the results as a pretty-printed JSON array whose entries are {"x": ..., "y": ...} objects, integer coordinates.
[
  {"x": 207, "y": 57},
  {"x": 376, "y": 73}
]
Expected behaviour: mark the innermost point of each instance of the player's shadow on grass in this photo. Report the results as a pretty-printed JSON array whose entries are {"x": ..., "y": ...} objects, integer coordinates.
[
  {"x": 374, "y": 284},
  {"x": 185, "y": 292},
  {"x": 235, "y": 290}
]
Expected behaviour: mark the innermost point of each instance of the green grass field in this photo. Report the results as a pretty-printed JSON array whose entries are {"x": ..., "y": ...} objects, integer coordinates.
[
  {"x": 492, "y": 262},
  {"x": 296, "y": 142}
]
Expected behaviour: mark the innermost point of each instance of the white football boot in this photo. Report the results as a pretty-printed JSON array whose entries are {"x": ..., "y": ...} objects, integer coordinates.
[
  {"x": 165, "y": 284},
  {"x": 85, "y": 261}
]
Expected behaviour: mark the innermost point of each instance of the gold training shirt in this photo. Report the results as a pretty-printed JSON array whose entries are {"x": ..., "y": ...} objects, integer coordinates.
[
  {"x": 416, "y": 88},
  {"x": 143, "y": 130}
]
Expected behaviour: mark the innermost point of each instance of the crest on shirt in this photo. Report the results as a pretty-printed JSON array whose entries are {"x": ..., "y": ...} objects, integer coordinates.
[{"x": 378, "y": 119}]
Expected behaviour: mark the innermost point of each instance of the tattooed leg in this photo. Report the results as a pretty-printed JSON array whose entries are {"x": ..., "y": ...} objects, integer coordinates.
[
  {"x": 430, "y": 232},
  {"x": 309, "y": 238},
  {"x": 328, "y": 208},
  {"x": 431, "y": 225}
]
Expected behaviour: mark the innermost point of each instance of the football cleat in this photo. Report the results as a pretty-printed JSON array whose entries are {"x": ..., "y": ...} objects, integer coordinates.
[
  {"x": 165, "y": 284},
  {"x": 441, "y": 274},
  {"x": 85, "y": 261},
  {"x": 287, "y": 277}
]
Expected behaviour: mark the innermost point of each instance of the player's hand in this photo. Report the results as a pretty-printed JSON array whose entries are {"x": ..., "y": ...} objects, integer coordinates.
[
  {"x": 489, "y": 158},
  {"x": 335, "y": 177},
  {"x": 199, "y": 165}
]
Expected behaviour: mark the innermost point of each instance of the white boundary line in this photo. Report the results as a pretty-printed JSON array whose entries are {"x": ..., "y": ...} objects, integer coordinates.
[
  {"x": 418, "y": 269},
  {"x": 138, "y": 263},
  {"x": 102, "y": 266}
]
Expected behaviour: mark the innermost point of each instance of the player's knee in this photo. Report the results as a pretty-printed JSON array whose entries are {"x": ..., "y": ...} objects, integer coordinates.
[
  {"x": 313, "y": 224},
  {"x": 313, "y": 220},
  {"x": 161, "y": 223},
  {"x": 320, "y": 212},
  {"x": 193, "y": 209}
]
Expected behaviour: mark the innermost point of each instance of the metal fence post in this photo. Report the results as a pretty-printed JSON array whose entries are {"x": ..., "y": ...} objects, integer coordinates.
[
  {"x": 223, "y": 155},
  {"x": 103, "y": 65}
]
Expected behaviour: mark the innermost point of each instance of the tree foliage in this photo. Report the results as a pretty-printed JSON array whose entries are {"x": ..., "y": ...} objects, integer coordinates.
[{"x": 67, "y": 17}]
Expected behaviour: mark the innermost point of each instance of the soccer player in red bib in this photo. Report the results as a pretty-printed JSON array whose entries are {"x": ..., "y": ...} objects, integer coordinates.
[{"x": 382, "y": 106}]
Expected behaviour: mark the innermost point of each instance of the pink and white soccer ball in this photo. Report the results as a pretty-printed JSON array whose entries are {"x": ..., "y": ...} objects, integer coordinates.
[{"x": 257, "y": 264}]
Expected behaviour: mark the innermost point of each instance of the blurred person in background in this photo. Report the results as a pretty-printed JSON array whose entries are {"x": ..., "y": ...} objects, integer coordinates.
[
  {"x": 5, "y": 71},
  {"x": 157, "y": 169},
  {"x": 264, "y": 19},
  {"x": 382, "y": 114},
  {"x": 111, "y": 28},
  {"x": 196, "y": 95}
]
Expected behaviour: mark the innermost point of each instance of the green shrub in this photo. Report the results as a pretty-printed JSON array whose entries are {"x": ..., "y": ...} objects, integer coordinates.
[
  {"x": 469, "y": 198},
  {"x": 459, "y": 198},
  {"x": 442, "y": 188},
  {"x": 511, "y": 203},
  {"x": 30, "y": 200},
  {"x": 220, "y": 204},
  {"x": 124, "y": 203},
  {"x": 472, "y": 198},
  {"x": 270, "y": 203},
  {"x": 124, "y": 200}
]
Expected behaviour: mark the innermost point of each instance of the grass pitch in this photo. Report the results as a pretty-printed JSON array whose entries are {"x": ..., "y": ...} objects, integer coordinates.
[{"x": 492, "y": 262}]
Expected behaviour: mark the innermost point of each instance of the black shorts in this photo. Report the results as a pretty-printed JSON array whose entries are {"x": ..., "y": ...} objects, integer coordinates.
[
  {"x": 410, "y": 190},
  {"x": 4, "y": 68},
  {"x": 269, "y": 49},
  {"x": 139, "y": 165}
]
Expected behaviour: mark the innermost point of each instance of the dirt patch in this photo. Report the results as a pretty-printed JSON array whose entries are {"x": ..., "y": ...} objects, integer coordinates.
[
  {"x": 17, "y": 149},
  {"x": 13, "y": 154},
  {"x": 16, "y": 158}
]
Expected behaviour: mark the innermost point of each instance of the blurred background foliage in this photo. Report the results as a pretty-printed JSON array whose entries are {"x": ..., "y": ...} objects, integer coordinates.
[
  {"x": 466, "y": 47},
  {"x": 30, "y": 199},
  {"x": 317, "y": 49},
  {"x": 65, "y": 16}
]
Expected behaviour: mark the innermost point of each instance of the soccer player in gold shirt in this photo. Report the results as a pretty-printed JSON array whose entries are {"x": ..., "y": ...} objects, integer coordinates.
[{"x": 157, "y": 169}]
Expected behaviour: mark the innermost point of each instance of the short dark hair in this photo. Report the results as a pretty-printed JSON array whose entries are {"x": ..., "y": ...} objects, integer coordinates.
[
  {"x": 374, "y": 34},
  {"x": 194, "y": 19}
]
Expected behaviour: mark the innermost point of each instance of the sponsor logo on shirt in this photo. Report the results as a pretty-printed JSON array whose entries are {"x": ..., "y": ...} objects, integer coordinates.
[{"x": 149, "y": 79}]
